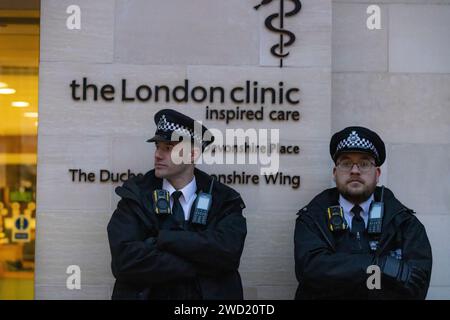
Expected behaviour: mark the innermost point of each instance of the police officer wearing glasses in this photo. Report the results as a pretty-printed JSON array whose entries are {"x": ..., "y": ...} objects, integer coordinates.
[{"x": 346, "y": 229}]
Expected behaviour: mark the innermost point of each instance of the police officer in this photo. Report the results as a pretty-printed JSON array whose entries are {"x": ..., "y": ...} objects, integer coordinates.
[
  {"x": 332, "y": 256},
  {"x": 168, "y": 256}
]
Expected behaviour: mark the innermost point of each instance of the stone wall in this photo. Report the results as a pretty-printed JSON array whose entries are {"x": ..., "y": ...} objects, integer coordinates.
[{"x": 394, "y": 80}]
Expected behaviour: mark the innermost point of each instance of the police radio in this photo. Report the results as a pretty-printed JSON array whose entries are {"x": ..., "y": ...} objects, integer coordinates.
[
  {"x": 376, "y": 213},
  {"x": 161, "y": 202},
  {"x": 202, "y": 205},
  {"x": 336, "y": 220}
]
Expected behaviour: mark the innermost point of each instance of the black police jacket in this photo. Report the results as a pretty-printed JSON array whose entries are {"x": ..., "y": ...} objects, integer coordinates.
[
  {"x": 325, "y": 273},
  {"x": 152, "y": 261}
]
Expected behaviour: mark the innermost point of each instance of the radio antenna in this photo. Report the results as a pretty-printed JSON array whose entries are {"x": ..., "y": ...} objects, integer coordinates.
[{"x": 211, "y": 186}]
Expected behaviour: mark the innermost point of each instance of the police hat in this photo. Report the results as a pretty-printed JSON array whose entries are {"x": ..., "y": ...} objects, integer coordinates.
[
  {"x": 358, "y": 139},
  {"x": 169, "y": 122}
]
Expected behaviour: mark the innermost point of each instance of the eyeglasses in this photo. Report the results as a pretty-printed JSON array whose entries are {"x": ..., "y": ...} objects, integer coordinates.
[{"x": 363, "y": 165}]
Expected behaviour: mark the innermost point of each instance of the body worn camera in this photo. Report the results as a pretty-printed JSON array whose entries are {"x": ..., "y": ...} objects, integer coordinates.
[
  {"x": 336, "y": 220},
  {"x": 161, "y": 202}
]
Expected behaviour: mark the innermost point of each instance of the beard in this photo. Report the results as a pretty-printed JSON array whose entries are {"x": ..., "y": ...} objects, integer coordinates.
[{"x": 356, "y": 192}]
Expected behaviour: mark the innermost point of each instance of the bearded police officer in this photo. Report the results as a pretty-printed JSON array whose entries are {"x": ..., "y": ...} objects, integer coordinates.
[
  {"x": 176, "y": 233},
  {"x": 346, "y": 229}
]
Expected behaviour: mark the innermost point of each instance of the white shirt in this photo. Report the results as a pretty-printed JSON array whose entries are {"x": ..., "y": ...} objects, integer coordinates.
[
  {"x": 188, "y": 197},
  {"x": 347, "y": 206}
]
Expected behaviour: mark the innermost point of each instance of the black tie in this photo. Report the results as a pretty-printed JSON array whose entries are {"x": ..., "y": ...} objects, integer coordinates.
[
  {"x": 177, "y": 209},
  {"x": 358, "y": 225}
]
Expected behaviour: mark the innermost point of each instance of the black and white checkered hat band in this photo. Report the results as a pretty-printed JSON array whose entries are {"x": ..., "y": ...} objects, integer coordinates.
[
  {"x": 353, "y": 141},
  {"x": 168, "y": 126}
]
